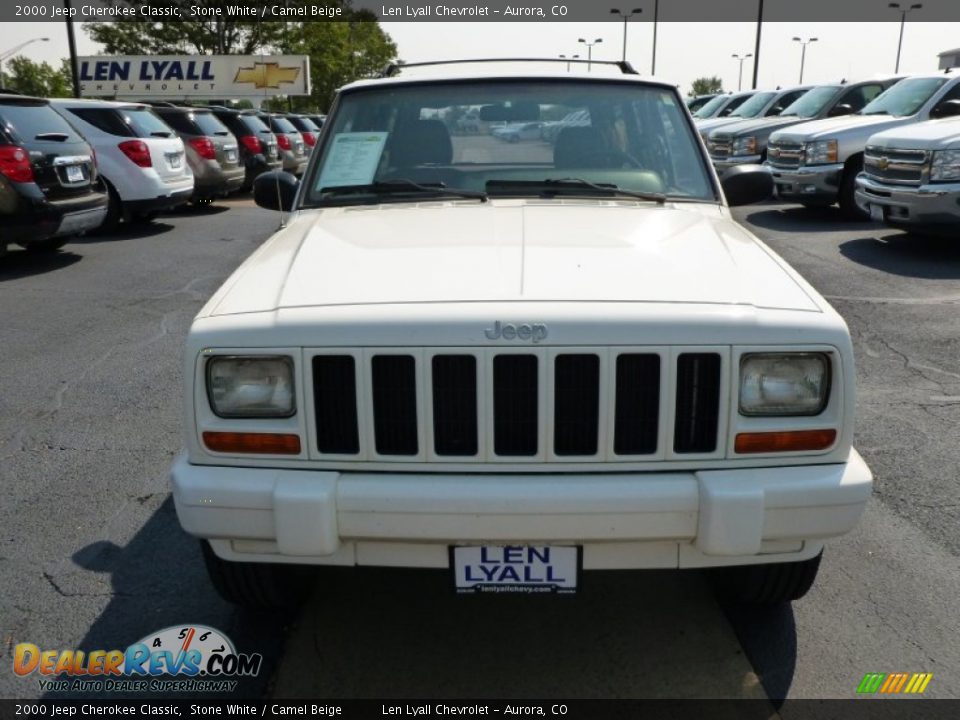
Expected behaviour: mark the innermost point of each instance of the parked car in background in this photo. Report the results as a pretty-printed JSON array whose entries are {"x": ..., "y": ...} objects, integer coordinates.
[
  {"x": 723, "y": 105},
  {"x": 212, "y": 151},
  {"x": 256, "y": 143},
  {"x": 911, "y": 177},
  {"x": 697, "y": 102},
  {"x": 515, "y": 132},
  {"x": 745, "y": 142},
  {"x": 307, "y": 127},
  {"x": 817, "y": 163},
  {"x": 318, "y": 120},
  {"x": 140, "y": 157},
  {"x": 766, "y": 103},
  {"x": 49, "y": 189},
  {"x": 292, "y": 148}
]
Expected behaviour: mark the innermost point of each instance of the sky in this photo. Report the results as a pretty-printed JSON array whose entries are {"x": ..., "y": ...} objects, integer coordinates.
[{"x": 685, "y": 51}]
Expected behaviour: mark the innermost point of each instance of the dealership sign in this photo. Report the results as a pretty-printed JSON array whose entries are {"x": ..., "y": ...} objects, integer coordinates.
[{"x": 194, "y": 76}]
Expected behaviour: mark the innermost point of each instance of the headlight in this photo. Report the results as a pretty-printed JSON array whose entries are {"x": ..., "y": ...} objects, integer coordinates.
[
  {"x": 784, "y": 383},
  {"x": 946, "y": 166},
  {"x": 745, "y": 146},
  {"x": 821, "y": 152},
  {"x": 258, "y": 386}
]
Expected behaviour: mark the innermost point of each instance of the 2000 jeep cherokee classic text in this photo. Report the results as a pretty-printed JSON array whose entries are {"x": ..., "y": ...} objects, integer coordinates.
[{"x": 516, "y": 360}]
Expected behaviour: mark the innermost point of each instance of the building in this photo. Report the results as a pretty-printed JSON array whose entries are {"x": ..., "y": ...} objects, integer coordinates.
[{"x": 949, "y": 59}]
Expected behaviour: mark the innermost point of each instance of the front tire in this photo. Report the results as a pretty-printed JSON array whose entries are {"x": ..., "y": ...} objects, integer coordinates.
[
  {"x": 50, "y": 245},
  {"x": 771, "y": 584},
  {"x": 848, "y": 188},
  {"x": 257, "y": 586}
]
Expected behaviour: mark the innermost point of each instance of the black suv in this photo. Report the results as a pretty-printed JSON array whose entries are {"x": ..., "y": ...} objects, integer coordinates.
[
  {"x": 256, "y": 142},
  {"x": 49, "y": 189}
]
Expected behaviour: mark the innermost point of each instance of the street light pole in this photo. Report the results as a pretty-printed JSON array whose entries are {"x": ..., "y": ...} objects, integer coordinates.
[
  {"x": 590, "y": 45},
  {"x": 803, "y": 54},
  {"x": 625, "y": 16},
  {"x": 741, "y": 58},
  {"x": 568, "y": 59},
  {"x": 903, "y": 21},
  {"x": 12, "y": 51},
  {"x": 656, "y": 15}
]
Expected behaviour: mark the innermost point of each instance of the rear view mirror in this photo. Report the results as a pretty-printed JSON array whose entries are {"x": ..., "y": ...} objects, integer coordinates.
[
  {"x": 948, "y": 108},
  {"x": 841, "y": 109},
  {"x": 747, "y": 184},
  {"x": 275, "y": 190},
  {"x": 515, "y": 112}
]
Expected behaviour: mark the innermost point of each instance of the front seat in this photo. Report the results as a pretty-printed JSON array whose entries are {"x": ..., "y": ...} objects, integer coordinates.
[{"x": 422, "y": 142}]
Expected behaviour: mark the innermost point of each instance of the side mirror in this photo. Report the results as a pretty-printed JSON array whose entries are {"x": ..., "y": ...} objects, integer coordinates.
[
  {"x": 841, "y": 109},
  {"x": 747, "y": 184},
  {"x": 275, "y": 190},
  {"x": 948, "y": 108}
]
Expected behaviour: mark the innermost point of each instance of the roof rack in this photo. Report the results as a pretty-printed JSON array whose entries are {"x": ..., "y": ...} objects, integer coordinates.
[{"x": 393, "y": 69}]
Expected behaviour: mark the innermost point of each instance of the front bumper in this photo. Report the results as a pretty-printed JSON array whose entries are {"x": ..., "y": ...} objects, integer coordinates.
[
  {"x": 722, "y": 165},
  {"x": 929, "y": 206},
  {"x": 813, "y": 183},
  {"x": 623, "y": 520}
]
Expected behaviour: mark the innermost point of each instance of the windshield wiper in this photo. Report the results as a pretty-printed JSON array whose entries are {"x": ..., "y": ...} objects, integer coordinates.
[
  {"x": 550, "y": 186},
  {"x": 400, "y": 185}
]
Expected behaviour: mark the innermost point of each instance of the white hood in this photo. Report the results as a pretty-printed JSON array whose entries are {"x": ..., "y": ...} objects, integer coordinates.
[
  {"x": 931, "y": 135},
  {"x": 513, "y": 251}
]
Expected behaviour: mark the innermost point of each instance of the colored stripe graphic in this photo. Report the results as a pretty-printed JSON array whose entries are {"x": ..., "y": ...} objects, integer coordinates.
[{"x": 894, "y": 683}]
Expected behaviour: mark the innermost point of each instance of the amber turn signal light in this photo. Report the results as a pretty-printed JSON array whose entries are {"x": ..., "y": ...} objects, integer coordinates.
[
  {"x": 788, "y": 441},
  {"x": 261, "y": 443}
]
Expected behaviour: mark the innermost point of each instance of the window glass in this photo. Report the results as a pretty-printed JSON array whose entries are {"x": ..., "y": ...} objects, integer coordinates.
[
  {"x": 105, "y": 119},
  {"x": 29, "y": 120}
]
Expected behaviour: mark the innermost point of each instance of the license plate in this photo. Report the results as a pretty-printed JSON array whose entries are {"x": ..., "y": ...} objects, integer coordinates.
[
  {"x": 231, "y": 156},
  {"x": 74, "y": 173},
  {"x": 175, "y": 160},
  {"x": 876, "y": 213},
  {"x": 299, "y": 148},
  {"x": 515, "y": 568}
]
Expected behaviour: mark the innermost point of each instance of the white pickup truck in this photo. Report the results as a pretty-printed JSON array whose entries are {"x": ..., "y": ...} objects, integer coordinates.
[
  {"x": 516, "y": 361},
  {"x": 817, "y": 163},
  {"x": 911, "y": 177}
]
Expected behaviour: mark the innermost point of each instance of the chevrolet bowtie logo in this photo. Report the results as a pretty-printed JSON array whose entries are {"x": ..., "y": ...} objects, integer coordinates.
[
  {"x": 267, "y": 75},
  {"x": 883, "y": 163}
]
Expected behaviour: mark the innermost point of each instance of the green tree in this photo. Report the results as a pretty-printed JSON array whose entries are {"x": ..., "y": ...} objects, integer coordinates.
[
  {"x": 23, "y": 75},
  {"x": 706, "y": 86}
]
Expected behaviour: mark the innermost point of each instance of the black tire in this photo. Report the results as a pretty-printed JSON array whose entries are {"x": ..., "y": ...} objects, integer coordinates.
[
  {"x": 50, "y": 245},
  {"x": 848, "y": 187},
  {"x": 767, "y": 584},
  {"x": 146, "y": 217},
  {"x": 114, "y": 211},
  {"x": 257, "y": 586}
]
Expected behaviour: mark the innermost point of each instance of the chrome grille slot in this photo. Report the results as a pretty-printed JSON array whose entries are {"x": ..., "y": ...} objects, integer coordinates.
[
  {"x": 454, "y": 405},
  {"x": 637, "y": 408},
  {"x": 698, "y": 403},
  {"x": 785, "y": 155},
  {"x": 335, "y": 404},
  {"x": 515, "y": 405},
  {"x": 394, "y": 386}
]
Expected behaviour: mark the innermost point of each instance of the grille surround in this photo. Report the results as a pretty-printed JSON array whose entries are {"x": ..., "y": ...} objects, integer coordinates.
[
  {"x": 894, "y": 166},
  {"x": 786, "y": 155},
  {"x": 485, "y": 458}
]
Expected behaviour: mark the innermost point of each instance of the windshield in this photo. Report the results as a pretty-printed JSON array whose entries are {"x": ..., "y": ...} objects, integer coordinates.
[
  {"x": 754, "y": 106},
  {"x": 522, "y": 139},
  {"x": 904, "y": 98},
  {"x": 712, "y": 107},
  {"x": 811, "y": 103}
]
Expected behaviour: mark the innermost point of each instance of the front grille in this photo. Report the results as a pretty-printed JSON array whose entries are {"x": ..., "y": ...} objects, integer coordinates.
[
  {"x": 785, "y": 155},
  {"x": 603, "y": 404},
  {"x": 720, "y": 147},
  {"x": 897, "y": 167}
]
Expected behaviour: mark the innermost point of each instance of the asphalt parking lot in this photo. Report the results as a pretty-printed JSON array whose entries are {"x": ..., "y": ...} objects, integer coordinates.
[{"x": 91, "y": 555}]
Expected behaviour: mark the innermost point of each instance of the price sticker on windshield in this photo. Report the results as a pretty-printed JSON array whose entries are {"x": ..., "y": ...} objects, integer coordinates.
[{"x": 352, "y": 159}]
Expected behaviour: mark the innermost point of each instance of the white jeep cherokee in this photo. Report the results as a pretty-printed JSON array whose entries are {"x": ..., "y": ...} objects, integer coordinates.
[{"x": 516, "y": 360}]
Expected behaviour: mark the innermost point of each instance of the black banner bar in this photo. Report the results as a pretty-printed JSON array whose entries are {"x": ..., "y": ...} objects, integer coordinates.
[{"x": 471, "y": 11}]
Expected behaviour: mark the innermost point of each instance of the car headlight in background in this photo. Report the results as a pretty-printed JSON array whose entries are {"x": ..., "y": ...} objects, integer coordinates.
[
  {"x": 745, "y": 146},
  {"x": 773, "y": 384},
  {"x": 255, "y": 386},
  {"x": 821, "y": 152},
  {"x": 945, "y": 166}
]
